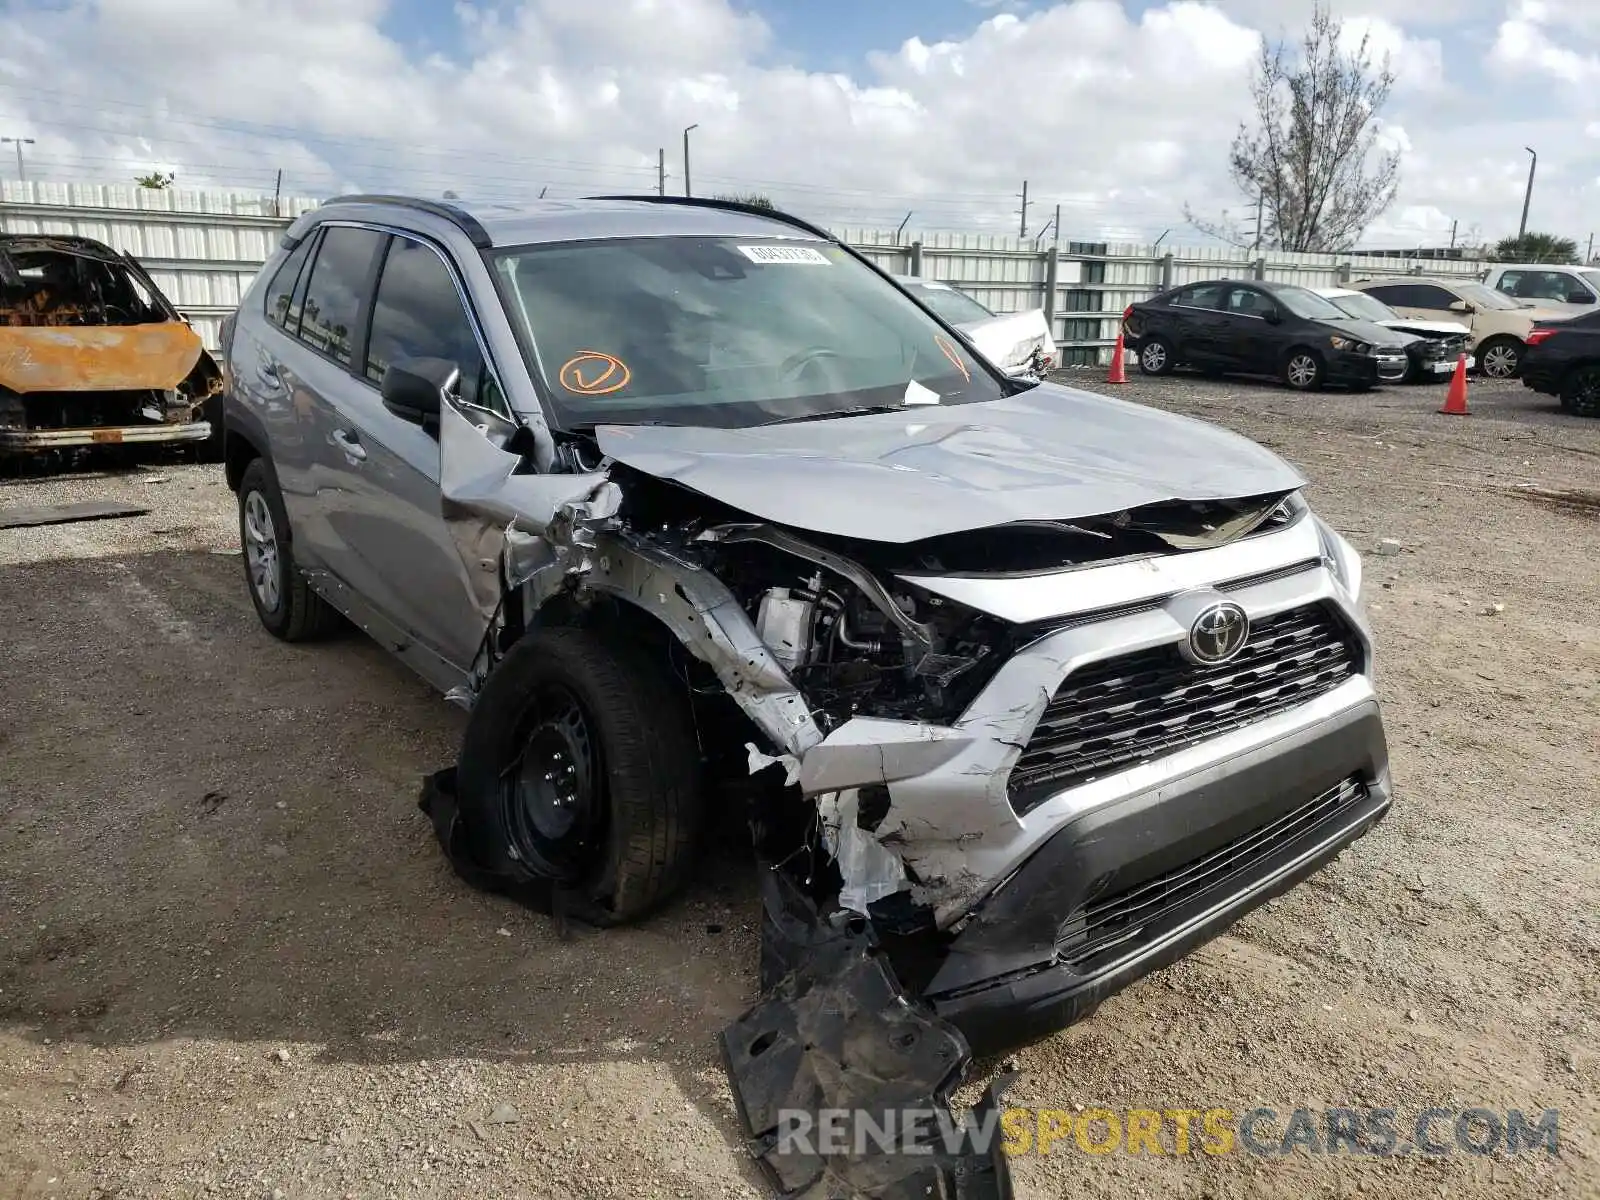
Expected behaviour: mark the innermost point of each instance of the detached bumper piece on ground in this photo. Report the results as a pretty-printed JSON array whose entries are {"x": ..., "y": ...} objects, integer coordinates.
[{"x": 834, "y": 1030}]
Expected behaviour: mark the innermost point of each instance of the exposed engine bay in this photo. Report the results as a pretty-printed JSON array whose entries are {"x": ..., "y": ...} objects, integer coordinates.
[{"x": 91, "y": 352}]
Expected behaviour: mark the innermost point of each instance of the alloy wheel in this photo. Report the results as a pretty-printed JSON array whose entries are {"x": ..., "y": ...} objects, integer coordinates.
[
  {"x": 261, "y": 552},
  {"x": 1154, "y": 358},
  {"x": 1302, "y": 371},
  {"x": 1500, "y": 362}
]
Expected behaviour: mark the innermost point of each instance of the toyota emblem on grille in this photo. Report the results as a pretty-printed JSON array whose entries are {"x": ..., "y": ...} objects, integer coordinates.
[{"x": 1218, "y": 633}]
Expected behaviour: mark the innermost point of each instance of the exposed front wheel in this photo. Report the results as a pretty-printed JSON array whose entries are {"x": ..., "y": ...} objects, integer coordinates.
[
  {"x": 1156, "y": 357},
  {"x": 580, "y": 765},
  {"x": 1302, "y": 370},
  {"x": 1500, "y": 358}
]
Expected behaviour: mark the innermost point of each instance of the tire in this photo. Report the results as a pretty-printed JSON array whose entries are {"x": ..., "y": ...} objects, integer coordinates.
[
  {"x": 621, "y": 842},
  {"x": 1500, "y": 358},
  {"x": 1580, "y": 392},
  {"x": 1156, "y": 356},
  {"x": 287, "y": 606},
  {"x": 1303, "y": 369}
]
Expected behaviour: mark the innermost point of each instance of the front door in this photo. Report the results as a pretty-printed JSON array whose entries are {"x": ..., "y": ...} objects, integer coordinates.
[{"x": 399, "y": 552}]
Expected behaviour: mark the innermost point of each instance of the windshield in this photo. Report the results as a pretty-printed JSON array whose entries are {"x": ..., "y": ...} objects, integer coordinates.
[
  {"x": 727, "y": 332},
  {"x": 955, "y": 307},
  {"x": 1303, "y": 302},
  {"x": 1593, "y": 278},
  {"x": 1364, "y": 307},
  {"x": 1476, "y": 293}
]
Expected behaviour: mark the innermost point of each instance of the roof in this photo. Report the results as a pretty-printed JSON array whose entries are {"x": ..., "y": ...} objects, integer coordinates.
[
  {"x": 1538, "y": 267},
  {"x": 1335, "y": 291},
  {"x": 541, "y": 221}
]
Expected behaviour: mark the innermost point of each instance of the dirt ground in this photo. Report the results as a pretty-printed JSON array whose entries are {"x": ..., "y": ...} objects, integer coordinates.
[{"x": 234, "y": 963}]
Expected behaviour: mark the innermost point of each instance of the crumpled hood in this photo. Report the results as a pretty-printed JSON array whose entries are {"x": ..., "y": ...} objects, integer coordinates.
[
  {"x": 1371, "y": 331},
  {"x": 1050, "y": 453}
]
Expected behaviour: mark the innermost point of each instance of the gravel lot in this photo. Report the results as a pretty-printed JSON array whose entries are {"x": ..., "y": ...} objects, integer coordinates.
[{"x": 233, "y": 961}]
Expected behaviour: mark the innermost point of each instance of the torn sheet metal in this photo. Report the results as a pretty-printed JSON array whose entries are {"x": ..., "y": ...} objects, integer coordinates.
[
  {"x": 712, "y": 625},
  {"x": 97, "y": 358},
  {"x": 834, "y": 1030},
  {"x": 1050, "y": 453}
]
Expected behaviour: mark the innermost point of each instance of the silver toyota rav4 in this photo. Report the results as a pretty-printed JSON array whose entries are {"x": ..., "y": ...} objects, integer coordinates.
[{"x": 691, "y": 506}]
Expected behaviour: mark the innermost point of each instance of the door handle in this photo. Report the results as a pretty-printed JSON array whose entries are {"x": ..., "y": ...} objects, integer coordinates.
[{"x": 351, "y": 445}]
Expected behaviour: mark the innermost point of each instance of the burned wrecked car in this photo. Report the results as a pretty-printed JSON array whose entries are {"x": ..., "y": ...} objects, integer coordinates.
[
  {"x": 693, "y": 507},
  {"x": 92, "y": 354}
]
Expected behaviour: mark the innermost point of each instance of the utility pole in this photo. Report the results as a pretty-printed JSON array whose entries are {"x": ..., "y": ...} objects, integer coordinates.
[
  {"x": 1261, "y": 206},
  {"x": 19, "y": 143},
  {"x": 277, "y": 191},
  {"x": 661, "y": 171},
  {"x": 1023, "y": 229},
  {"x": 1453, "y": 234},
  {"x": 1527, "y": 199},
  {"x": 686, "y": 132}
]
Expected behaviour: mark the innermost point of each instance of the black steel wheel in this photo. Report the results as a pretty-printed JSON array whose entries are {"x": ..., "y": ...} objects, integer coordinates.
[{"x": 553, "y": 794}]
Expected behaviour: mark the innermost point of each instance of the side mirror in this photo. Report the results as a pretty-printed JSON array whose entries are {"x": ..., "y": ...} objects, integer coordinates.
[
  {"x": 1461, "y": 306},
  {"x": 1579, "y": 297},
  {"x": 1272, "y": 317},
  {"x": 413, "y": 388}
]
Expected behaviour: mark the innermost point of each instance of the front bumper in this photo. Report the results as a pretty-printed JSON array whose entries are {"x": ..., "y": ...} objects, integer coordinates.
[
  {"x": 108, "y": 435},
  {"x": 1000, "y": 882},
  {"x": 1174, "y": 866},
  {"x": 1346, "y": 367}
]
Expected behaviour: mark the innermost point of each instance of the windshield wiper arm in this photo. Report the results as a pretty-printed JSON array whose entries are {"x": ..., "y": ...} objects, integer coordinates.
[{"x": 864, "y": 410}]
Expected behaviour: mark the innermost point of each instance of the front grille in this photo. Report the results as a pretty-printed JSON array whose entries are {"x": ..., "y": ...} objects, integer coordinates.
[
  {"x": 1110, "y": 715},
  {"x": 1112, "y": 921}
]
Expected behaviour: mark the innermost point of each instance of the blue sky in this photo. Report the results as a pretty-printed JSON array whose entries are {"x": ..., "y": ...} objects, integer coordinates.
[{"x": 1122, "y": 112}]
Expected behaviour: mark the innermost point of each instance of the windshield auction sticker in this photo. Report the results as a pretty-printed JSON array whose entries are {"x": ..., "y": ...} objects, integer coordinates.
[
  {"x": 593, "y": 373},
  {"x": 788, "y": 256}
]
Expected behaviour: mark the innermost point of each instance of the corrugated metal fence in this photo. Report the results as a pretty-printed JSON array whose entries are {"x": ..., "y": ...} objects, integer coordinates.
[{"x": 204, "y": 247}]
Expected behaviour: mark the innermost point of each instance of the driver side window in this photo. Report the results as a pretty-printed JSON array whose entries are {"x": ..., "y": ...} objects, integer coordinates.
[{"x": 417, "y": 313}]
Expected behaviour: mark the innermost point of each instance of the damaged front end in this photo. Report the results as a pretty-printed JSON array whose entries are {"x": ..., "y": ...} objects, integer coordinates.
[
  {"x": 92, "y": 354},
  {"x": 868, "y": 680}
]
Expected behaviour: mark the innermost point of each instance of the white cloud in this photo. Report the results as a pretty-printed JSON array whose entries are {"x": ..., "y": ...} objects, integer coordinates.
[{"x": 1120, "y": 118}]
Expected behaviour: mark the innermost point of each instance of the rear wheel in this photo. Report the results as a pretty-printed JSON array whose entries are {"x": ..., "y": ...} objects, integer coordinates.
[
  {"x": 1302, "y": 370},
  {"x": 1580, "y": 393},
  {"x": 284, "y": 601},
  {"x": 580, "y": 765},
  {"x": 1156, "y": 357},
  {"x": 1500, "y": 358}
]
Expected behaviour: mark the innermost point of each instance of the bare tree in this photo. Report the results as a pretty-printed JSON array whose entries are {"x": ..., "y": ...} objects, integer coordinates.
[{"x": 1312, "y": 163}]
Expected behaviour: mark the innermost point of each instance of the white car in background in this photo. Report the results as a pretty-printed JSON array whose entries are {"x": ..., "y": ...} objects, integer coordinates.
[
  {"x": 1018, "y": 343},
  {"x": 1572, "y": 291}
]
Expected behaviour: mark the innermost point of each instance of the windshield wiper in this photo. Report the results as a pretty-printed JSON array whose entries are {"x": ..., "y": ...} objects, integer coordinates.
[{"x": 863, "y": 411}]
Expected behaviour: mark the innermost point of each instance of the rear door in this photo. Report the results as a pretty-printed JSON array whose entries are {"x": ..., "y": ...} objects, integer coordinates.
[
  {"x": 1197, "y": 322},
  {"x": 330, "y": 304},
  {"x": 389, "y": 524}
]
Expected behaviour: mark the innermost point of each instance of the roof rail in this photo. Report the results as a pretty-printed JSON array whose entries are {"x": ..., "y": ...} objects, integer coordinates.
[
  {"x": 754, "y": 210},
  {"x": 462, "y": 220}
]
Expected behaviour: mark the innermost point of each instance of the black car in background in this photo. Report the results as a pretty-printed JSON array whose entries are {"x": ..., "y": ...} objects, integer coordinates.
[
  {"x": 1288, "y": 332},
  {"x": 1563, "y": 359}
]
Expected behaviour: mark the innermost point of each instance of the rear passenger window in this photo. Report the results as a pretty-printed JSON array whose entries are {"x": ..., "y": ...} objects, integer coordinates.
[
  {"x": 339, "y": 276},
  {"x": 281, "y": 309},
  {"x": 417, "y": 313},
  {"x": 1205, "y": 295}
]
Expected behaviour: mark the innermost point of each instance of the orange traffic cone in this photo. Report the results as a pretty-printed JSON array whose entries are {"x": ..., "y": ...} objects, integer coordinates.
[
  {"x": 1455, "y": 401},
  {"x": 1118, "y": 372}
]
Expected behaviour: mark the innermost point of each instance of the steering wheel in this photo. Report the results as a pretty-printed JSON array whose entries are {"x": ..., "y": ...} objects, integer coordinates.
[{"x": 795, "y": 365}]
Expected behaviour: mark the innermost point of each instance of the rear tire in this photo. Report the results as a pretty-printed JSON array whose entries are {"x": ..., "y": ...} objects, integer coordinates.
[
  {"x": 287, "y": 606},
  {"x": 1156, "y": 356},
  {"x": 1303, "y": 370},
  {"x": 1500, "y": 358},
  {"x": 1580, "y": 392},
  {"x": 581, "y": 765}
]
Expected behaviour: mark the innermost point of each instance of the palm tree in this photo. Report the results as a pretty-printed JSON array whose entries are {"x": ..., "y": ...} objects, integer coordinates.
[{"x": 1537, "y": 248}]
